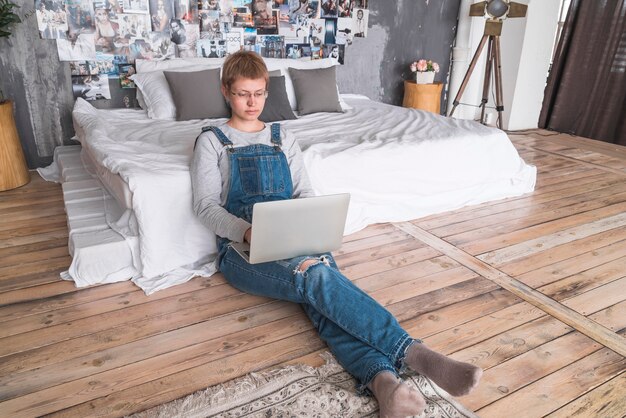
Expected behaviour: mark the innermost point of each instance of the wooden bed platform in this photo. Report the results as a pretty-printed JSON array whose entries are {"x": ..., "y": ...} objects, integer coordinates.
[{"x": 532, "y": 289}]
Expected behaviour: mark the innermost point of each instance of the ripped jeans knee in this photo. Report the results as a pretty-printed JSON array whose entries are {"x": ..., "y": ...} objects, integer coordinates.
[{"x": 306, "y": 263}]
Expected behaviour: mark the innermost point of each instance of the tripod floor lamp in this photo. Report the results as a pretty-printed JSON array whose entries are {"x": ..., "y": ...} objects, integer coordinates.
[{"x": 496, "y": 11}]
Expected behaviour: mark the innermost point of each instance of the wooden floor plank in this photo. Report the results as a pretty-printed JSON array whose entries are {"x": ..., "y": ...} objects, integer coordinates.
[
  {"x": 573, "y": 265},
  {"x": 607, "y": 400},
  {"x": 530, "y": 366},
  {"x": 562, "y": 252},
  {"x": 538, "y": 213},
  {"x": 57, "y": 343},
  {"x": 189, "y": 380},
  {"x": 548, "y": 241},
  {"x": 193, "y": 337},
  {"x": 548, "y": 394},
  {"x": 475, "y": 245}
]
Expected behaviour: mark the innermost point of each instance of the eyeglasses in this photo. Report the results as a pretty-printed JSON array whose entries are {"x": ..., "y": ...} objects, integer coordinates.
[{"x": 258, "y": 95}]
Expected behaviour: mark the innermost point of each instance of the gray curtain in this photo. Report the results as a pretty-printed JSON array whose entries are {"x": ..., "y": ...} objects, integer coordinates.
[{"x": 586, "y": 90}]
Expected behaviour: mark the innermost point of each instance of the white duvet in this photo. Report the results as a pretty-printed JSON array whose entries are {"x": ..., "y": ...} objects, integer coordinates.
[{"x": 398, "y": 164}]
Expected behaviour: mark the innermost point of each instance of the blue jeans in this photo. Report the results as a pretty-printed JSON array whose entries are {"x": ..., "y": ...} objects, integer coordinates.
[{"x": 365, "y": 338}]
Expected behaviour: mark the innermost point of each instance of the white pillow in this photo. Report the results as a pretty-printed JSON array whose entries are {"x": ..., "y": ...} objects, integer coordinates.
[{"x": 155, "y": 90}]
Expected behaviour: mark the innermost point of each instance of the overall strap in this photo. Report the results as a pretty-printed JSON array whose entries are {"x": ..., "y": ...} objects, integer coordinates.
[
  {"x": 275, "y": 128},
  {"x": 219, "y": 134}
]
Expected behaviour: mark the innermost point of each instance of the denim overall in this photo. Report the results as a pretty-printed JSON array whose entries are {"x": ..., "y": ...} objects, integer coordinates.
[{"x": 364, "y": 337}]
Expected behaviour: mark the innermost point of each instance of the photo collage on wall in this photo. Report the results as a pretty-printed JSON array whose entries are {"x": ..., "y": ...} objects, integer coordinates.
[{"x": 114, "y": 33}]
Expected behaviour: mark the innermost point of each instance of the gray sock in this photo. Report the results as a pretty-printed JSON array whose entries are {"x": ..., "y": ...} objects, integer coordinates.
[
  {"x": 453, "y": 376},
  {"x": 395, "y": 398}
]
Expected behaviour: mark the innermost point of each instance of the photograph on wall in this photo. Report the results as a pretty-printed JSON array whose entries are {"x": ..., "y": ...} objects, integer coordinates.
[
  {"x": 211, "y": 48},
  {"x": 108, "y": 63},
  {"x": 345, "y": 31},
  {"x": 316, "y": 52},
  {"x": 78, "y": 47},
  {"x": 80, "y": 17},
  {"x": 158, "y": 46},
  {"x": 51, "y": 19},
  {"x": 249, "y": 39},
  {"x": 331, "y": 30},
  {"x": 234, "y": 40},
  {"x": 187, "y": 48},
  {"x": 283, "y": 8},
  {"x": 107, "y": 35},
  {"x": 210, "y": 5},
  {"x": 360, "y": 4},
  {"x": 132, "y": 25},
  {"x": 242, "y": 17},
  {"x": 186, "y": 10},
  {"x": 360, "y": 18},
  {"x": 83, "y": 68},
  {"x": 91, "y": 87},
  {"x": 226, "y": 18},
  {"x": 267, "y": 26},
  {"x": 301, "y": 29},
  {"x": 135, "y": 6},
  {"x": 298, "y": 51},
  {"x": 334, "y": 52},
  {"x": 270, "y": 46},
  {"x": 286, "y": 29},
  {"x": 210, "y": 25},
  {"x": 328, "y": 8},
  {"x": 307, "y": 8},
  {"x": 125, "y": 71},
  {"x": 344, "y": 8},
  {"x": 115, "y": 6},
  {"x": 317, "y": 32},
  {"x": 161, "y": 11},
  {"x": 178, "y": 32},
  {"x": 261, "y": 9}
]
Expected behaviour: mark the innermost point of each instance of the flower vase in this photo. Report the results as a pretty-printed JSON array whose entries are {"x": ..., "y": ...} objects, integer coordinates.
[{"x": 424, "y": 77}]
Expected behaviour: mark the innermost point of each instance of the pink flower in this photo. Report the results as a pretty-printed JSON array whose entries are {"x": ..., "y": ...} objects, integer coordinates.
[{"x": 422, "y": 65}]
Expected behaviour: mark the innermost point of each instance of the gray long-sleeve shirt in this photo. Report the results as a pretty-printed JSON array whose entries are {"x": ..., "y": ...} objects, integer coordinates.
[{"x": 210, "y": 177}]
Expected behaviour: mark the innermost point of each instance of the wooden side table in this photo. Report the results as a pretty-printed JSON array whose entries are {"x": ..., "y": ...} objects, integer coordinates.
[
  {"x": 13, "y": 169},
  {"x": 422, "y": 96}
]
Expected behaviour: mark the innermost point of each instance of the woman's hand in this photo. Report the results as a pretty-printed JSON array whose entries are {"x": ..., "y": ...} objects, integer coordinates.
[{"x": 248, "y": 235}]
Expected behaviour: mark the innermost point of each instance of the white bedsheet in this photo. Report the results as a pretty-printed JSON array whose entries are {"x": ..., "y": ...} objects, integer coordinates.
[{"x": 398, "y": 164}]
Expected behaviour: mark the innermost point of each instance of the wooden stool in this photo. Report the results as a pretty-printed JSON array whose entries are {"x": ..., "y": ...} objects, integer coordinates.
[
  {"x": 13, "y": 169},
  {"x": 422, "y": 96}
]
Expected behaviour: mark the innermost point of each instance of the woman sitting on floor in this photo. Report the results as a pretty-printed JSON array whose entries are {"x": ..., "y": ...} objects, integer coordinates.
[{"x": 364, "y": 337}]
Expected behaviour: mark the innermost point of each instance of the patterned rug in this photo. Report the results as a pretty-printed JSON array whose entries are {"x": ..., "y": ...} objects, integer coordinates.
[{"x": 298, "y": 391}]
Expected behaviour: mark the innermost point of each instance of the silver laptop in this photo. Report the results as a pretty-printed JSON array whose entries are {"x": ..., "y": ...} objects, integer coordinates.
[{"x": 289, "y": 228}]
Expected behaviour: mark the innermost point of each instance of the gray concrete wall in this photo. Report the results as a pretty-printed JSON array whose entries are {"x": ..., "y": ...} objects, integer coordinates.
[{"x": 399, "y": 32}]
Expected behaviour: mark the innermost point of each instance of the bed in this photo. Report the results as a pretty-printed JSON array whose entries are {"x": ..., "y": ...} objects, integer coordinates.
[{"x": 398, "y": 164}]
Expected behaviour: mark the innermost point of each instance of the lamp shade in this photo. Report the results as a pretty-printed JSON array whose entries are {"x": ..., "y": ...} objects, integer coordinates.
[{"x": 497, "y": 8}]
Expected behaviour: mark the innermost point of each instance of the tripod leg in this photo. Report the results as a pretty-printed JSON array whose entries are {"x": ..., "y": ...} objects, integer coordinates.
[
  {"x": 498, "y": 79},
  {"x": 468, "y": 73},
  {"x": 487, "y": 80}
]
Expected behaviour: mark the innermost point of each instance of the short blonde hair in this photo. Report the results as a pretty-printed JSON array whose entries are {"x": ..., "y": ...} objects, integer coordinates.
[{"x": 243, "y": 64}]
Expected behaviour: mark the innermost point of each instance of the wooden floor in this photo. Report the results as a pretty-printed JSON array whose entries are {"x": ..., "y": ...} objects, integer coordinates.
[{"x": 532, "y": 289}]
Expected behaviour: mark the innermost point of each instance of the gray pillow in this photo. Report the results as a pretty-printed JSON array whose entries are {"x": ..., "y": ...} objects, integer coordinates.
[
  {"x": 277, "y": 105},
  {"x": 316, "y": 90},
  {"x": 197, "y": 94}
]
